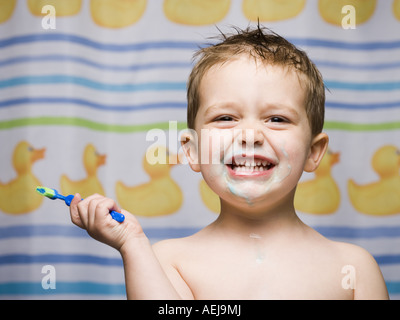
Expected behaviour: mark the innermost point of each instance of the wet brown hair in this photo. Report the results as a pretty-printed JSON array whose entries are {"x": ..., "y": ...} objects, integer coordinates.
[{"x": 270, "y": 48}]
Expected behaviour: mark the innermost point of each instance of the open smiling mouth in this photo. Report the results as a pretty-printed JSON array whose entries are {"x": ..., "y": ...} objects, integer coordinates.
[{"x": 250, "y": 166}]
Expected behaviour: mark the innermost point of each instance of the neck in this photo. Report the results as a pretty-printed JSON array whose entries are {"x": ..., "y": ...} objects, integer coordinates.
[
  {"x": 24, "y": 170},
  {"x": 91, "y": 172},
  {"x": 278, "y": 219}
]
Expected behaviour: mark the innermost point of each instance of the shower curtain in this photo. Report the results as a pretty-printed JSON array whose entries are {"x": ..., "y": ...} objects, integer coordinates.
[{"x": 87, "y": 88}]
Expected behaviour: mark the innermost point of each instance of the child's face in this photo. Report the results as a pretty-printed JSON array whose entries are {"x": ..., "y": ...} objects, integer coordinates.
[{"x": 253, "y": 132}]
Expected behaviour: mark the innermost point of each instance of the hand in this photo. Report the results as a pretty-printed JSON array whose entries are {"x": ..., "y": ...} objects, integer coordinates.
[{"x": 93, "y": 215}]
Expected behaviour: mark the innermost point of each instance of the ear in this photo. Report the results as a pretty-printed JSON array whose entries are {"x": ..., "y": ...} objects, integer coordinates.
[
  {"x": 318, "y": 148},
  {"x": 189, "y": 144}
]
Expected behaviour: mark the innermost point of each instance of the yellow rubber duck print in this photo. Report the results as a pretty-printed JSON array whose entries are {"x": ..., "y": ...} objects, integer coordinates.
[
  {"x": 320, "y": 195},
  {"x": 381, "y": 197},
  {"x": 117, "y": 13},
  {"x": 18, "y": 195},
  {"x": 396, "y": 9},
  {"x": 272, "y": 10},
  {"x": 161, "y": 195},
  {"x": 92, "y": 160},
  {"x": 63, "y": 7},
  {"x": 196, "y": 12},
  {"x": 6, "y": 9},
  {"x": 209, "y": 197},
  {"x": 331, "y": 11}
]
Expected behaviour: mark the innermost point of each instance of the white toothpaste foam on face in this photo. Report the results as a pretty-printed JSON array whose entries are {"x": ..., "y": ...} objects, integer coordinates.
[
  {"x": 250, "y": 189},
  {"x": 282, "y": 170}
]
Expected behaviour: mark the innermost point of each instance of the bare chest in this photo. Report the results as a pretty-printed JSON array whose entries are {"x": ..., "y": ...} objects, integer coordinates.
[{"x": 258, "y": 275}]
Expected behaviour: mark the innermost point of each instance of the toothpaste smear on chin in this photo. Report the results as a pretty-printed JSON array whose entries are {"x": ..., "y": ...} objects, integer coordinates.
[{"x": 248, "y": 188}]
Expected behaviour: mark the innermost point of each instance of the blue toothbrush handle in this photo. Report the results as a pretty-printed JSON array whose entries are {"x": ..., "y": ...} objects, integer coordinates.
[{"x": 117, "y": 216}]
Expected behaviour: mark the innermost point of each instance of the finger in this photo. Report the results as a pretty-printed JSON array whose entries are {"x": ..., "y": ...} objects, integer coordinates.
[
  {"x": 103, "y": 208},
  {"x": 74, "y": 211},
  {"x": 92, "y": 208},
  {"x": 99, "y": 210},
  {"x": 83, "y": 209},
  {"x": 110, "y": 204}
]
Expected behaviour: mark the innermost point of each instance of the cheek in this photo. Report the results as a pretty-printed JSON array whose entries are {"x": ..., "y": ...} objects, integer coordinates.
[
  {"x": 296, "y": 154},
  {"x": 214, "y": 175},
  {"x": 213, "y": 145}
]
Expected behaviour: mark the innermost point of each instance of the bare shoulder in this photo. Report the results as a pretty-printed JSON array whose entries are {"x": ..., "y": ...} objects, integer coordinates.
[
  {"x": 369, "y": 282},
  {"x": 171, "y": 248},
  {"x": 166, "y": 250},
  {"x": 356, "y": 256},
  {"x": 355, "y": 264}
]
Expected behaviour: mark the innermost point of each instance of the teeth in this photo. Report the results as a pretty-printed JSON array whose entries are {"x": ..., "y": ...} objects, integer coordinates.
[
  {"x": 249, "y": 165},
  {"x": 249, "y": 169},
  {"x": 240, "y": 162}
]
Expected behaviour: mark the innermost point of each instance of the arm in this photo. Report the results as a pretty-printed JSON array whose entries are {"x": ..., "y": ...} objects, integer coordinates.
[{"x": 144, "y": 276}]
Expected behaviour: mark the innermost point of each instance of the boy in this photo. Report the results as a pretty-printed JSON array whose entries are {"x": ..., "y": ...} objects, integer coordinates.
[{"x": 264, "y": 99}]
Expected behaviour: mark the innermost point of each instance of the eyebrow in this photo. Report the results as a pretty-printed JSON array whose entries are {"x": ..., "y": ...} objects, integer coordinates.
[
  {"x": 268, "y": 106},
  {"x": 279, "y": 106},
  {"x": 218, "y": 107}
]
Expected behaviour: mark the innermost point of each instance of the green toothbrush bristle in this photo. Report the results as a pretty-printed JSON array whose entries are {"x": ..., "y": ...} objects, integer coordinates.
[{"x": 47, "y": 192}]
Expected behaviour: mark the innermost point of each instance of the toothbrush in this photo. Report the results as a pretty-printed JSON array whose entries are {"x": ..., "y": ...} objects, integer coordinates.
[{"x": 53, "y": 194}]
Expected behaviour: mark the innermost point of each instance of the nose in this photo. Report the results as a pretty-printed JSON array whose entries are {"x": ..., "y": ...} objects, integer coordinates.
[{"x": 251, "y": 137}]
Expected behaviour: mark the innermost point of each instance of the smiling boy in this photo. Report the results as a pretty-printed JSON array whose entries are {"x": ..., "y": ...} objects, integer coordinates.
[{"x": 264, "y": 99}]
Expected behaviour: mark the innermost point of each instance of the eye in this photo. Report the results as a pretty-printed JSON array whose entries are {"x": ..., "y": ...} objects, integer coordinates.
[
  {"x": 277, "y": 119},
  {"x": 224, "y": 118}
]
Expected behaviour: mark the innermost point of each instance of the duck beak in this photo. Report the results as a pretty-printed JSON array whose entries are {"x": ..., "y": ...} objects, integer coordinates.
[
  {"x": 101, "y": 159},
  {"x": 38, "y": 154},
  {"x": 335, "y": 158}
]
